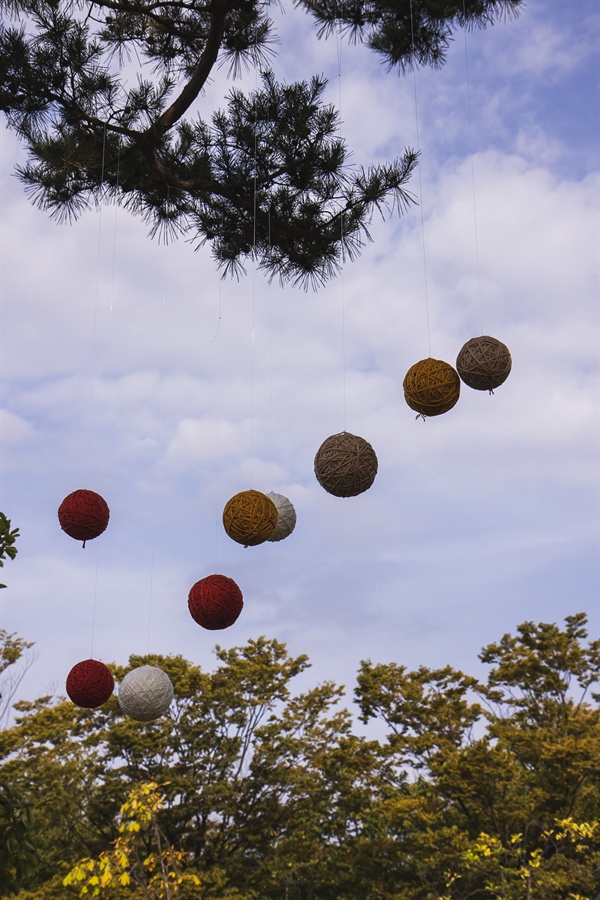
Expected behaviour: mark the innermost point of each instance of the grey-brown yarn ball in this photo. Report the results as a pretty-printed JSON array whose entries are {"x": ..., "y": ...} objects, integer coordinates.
[
  {"x": 145, "y": 693},
  {"x": 484, "y": 363},
  {"x": 345, "y": 465}
]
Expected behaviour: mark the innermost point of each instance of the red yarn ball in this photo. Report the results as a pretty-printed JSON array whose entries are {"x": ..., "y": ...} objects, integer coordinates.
[
  {"x": 90, "y": 683},
  {"x": 215, "y": 602},
  {"x": 83, "y": 515}
]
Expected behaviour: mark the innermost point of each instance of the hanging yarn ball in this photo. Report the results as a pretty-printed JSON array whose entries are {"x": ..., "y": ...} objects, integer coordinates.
[
  {"x": 431, "y": 387},
  {"x": 145, "y": 693},
  {"x": 345, "y": 465},
  {"x": 215, "y": 602},
  {"x": 484, "y": 363},
  {"x": 249, "y": 518},
  {"x": 90, "y": 683},
  {"x": 83, "y": 515},
  {"x": 286, "y": 513}
]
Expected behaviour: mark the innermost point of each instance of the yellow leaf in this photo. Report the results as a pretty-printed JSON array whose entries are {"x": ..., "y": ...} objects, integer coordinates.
[{"x": 124, "y": 879}]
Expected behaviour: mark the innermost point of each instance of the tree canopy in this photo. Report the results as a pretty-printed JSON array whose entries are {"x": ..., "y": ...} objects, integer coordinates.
[
  {"x": 107, "y": 97},
  {"x": 250, "y": 790}
]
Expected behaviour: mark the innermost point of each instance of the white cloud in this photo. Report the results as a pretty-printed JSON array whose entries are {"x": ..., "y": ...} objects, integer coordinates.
[
  {"x": 131, "y": 368},
  {"x": 14, "y": 429}
]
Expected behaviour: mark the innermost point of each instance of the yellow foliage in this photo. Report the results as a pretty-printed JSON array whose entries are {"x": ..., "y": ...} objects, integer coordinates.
[{"x": 158, "y": 873}]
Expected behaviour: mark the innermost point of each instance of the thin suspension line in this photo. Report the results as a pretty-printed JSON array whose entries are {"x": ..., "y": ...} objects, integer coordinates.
[
  {"x": 421, "y": 205},
  {"x": 472, "y": 162},
  {"x": 342, "y": 233}
]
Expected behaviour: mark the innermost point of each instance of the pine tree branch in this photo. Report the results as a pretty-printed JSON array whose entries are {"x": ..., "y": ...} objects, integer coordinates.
[{"x": 192, "y": 89}]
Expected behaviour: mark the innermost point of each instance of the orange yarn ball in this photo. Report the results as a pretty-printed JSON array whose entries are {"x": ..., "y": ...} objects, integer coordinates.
[
  {"x": 484, "y": 363},
  {"x": 250, "y": 517},
  {"x": 431, "y": 387}
]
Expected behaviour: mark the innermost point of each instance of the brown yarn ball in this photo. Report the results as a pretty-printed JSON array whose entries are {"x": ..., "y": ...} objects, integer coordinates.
[
  {"x": 83, "y": 515},
  {"x": 250, "y": 517},
  {"x": 345, "y": 465},
  {"x": 431, "y": 387},
  {"x": 484, "y": 363}
]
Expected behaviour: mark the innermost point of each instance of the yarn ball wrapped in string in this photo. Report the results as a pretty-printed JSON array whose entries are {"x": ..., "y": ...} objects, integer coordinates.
[
  {"x": 90, "y": 683},
  {"x": 345, "y": 465},
  {"x": 215, "y": 602},
  {"x": 431, "y": 387},
  {"x": 484, "y": 363},
  {"x": 286, "y": 521},
  {"x": 249, "y": 518},
  {"x": 145, "y": 693},
  {"x": 83, "y": 515}
]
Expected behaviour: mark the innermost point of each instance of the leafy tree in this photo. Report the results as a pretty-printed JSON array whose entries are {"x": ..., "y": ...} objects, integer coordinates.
[
  {"x": 481, "y": 788},
  {"x": 15, "y": 660},
  {"x": 267, "y": 177},
  {"x": 506, "y": 773},
  {"x": 8, "y": 538},
  {"x": 250, "y": 775},
  {"x": 152, "y": 866},
  {"x": 17, "y": 854}
]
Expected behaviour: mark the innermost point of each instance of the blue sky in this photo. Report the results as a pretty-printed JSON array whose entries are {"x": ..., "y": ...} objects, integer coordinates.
[{"x": 132, "y": 369}]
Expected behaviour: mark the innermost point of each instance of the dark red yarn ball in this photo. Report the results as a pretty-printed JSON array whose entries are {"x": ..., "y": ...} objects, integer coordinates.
[
  {"x": 83, "y": 515},
  {"x": 215, "y": 602},
  {"x": 90, "y": 683}
]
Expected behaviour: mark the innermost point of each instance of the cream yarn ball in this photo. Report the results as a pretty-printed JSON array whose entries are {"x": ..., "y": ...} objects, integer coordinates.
[
  {"x": 145, "y": 693},
  {"x": 286, "y": 521}
]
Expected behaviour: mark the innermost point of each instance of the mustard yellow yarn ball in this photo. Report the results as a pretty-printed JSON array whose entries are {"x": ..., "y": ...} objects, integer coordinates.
[
  {"x": 250, "y": 517},
  {"x": 431, "y": 387}
]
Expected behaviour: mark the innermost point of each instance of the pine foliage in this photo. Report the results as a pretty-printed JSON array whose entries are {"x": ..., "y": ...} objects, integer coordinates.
[{"x": 109, "y": 100}]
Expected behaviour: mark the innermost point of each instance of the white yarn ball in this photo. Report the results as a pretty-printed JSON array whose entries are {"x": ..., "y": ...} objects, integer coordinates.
[
  {"x": 145, "y": 693},
  {"x": 287, "y": 517}
]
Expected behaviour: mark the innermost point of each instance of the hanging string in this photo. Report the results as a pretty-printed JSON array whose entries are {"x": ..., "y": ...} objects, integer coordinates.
[
  {"x": 88, "y": 456},
  {"x": 470, "y": 149},
  {"x": 92, "y": 383},
  {"x": 94, "y": 599},
  {"x": 157, "y": 433},
  {"x": 114, "y": 247},
  {"x": 270, "y": 335},
  {"x": 217, "y": 337},
  {"x": 419, "y": 167},
  {"x": 253, "y": 326},
  {"x": 1, "y": 340},
  {"x": 342, "y": 233}
]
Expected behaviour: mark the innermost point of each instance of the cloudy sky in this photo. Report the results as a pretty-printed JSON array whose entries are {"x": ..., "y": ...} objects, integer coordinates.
[{"x": 131, "y": 368}]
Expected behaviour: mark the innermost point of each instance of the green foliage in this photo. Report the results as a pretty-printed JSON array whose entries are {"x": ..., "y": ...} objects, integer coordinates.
[
  {"x": 250, "y": 790},
  {"x": 14, "y": 663},
  {"x": 268, "y": 178},
  {"x": 8, "y": 538},
  {"x": 506, "y": 773},
  {"x": 17, "y": 853}
]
